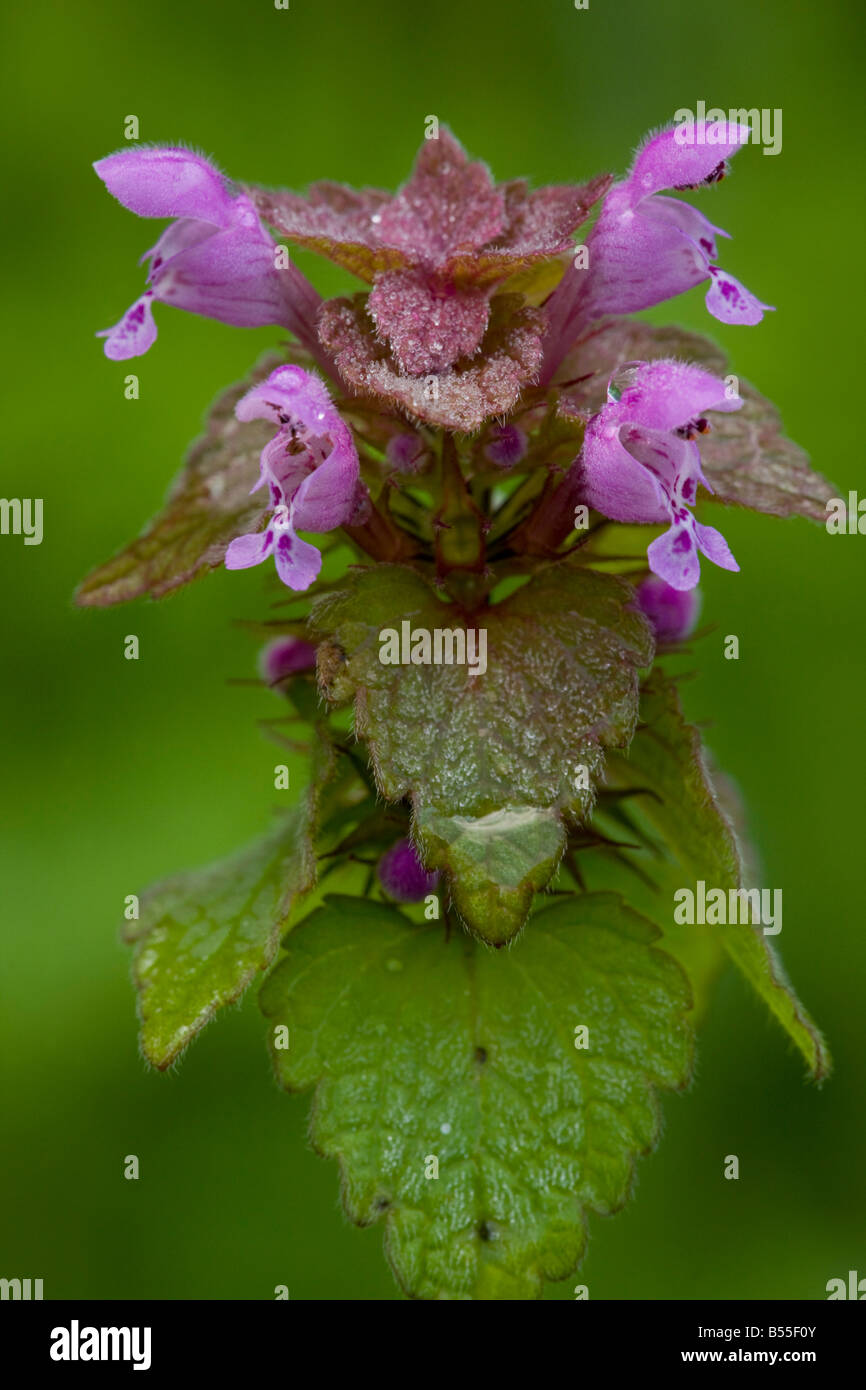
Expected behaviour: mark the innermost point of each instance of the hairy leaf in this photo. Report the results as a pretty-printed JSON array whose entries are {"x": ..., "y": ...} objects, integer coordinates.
[
  {"x": 335, "y": 221},
  {"x": 449, "y": 218},
  {"x": 695, "y": 840},
  {"x": 203, "y": 935},
  {"x": 492, "y": 761},
  {"x": 208, "y": 506},
  {"x": 438, "y": 1057},
  {"x": 460, "y": 398}
]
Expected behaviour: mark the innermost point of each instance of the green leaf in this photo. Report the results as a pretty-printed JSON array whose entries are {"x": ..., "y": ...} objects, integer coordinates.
[
  {"x": 424, "y": 1048},
  {"x": 208, "y": 506},
  {"x": 494, "y": 762},
  {"x": 746, "y": 457},
  {"x": 497, "y": 862},
  {"x": 203, "y": 935},
  {"x": 699, "y": 842}
]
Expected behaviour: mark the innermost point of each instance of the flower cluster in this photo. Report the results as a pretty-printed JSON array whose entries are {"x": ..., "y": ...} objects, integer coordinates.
[{"x": 474, "y": 305}]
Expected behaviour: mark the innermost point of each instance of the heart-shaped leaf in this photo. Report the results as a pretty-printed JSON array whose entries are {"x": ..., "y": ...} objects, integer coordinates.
[{"x": 480, "y": 1102}]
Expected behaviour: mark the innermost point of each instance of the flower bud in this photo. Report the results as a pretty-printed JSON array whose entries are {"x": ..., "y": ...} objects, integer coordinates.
[
  {"x": 506, "y": 445},
  {"x": 672, "y": 612},
  {"x": 403, "y": 876},
  {"x": 407, "y": 453},
  {"x": 285, "y": 656}
]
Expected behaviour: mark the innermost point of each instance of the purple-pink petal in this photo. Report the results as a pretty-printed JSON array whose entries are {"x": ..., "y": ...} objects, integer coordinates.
[
  {"x": 674, "y": 557},
  {"x": 229, "y": 276},
  {"x": 311, "y": 467},
  {"x": 666, "y": 394},
  {"x": 403, "y": 876},
  {"x": 217, "y": 259},
  {"x": 289, "y": 392},
  {"x": 669, "y": 160},
  {"x": 298, "y": 562},
  {"x": 640, "y": 461},
  {"x": 135, "y": 332},
  {"x": 612, "y": 479},
  {"x": 730, "y": 302},
  {"x": 646, "y": 248},
  {"x": 713, "y": 544},
  {"x": 249, "y": 550},
  {"x": 673, "y": 212},
  {"x": 505, "y": 446},
  {"x": 407, "y": 453},
  {"x": 166, "y": 181}
]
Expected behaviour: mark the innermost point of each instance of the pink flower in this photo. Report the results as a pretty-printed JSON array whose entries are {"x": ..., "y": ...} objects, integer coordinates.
[
  {"x": 215, "y": 259},
  {"x": 647, "y": 247},
  {"x": 640, "y": 462},
  {"x": 311, "y": 469}
]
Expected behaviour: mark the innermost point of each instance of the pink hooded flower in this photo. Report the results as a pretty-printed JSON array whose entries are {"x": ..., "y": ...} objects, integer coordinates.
[
  {"x": 640, "y": 462},
  {"x": 647, "y": 247},
  {"x": 215, "y": 259},
  {"x": 311, "y": 469}
]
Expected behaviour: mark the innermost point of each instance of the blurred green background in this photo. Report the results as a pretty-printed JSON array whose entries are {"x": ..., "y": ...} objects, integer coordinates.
[{"x": 118, "y": 772}]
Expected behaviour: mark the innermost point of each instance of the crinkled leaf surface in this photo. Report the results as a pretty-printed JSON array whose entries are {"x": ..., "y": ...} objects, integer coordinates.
[
  {"x": 448, "y": 217},
  {"x": 424, "y": 1048},
  {"x": 460, "y": 398},
  {"x": 491, "y": 762},
  {"x": 335, "y": 221},
  {"x": 208, "y": 506},
  {"x": 203, "y": 935},
  {"x": 746, "y": 457},
  {"x": 695, "y": 840}
]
